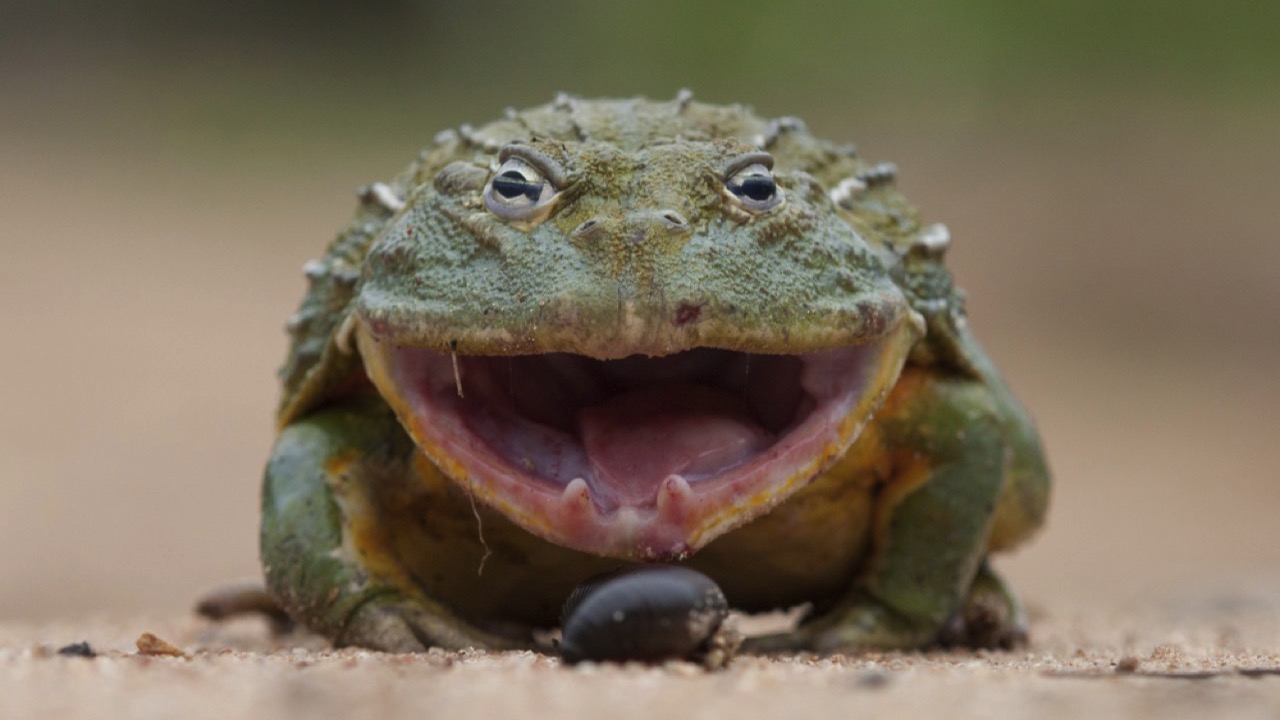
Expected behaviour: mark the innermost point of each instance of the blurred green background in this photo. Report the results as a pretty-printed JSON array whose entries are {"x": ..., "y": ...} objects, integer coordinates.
[{"x": 1108, "y": 171}]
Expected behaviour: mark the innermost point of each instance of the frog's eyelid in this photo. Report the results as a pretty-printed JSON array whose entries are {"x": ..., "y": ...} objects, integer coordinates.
[
  {"x": 553, "y": 171},
  {"x": 747, "y": 160}
]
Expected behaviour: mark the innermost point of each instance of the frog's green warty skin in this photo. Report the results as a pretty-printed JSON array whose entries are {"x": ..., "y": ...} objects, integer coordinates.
[{"x": 598, "y": 333}]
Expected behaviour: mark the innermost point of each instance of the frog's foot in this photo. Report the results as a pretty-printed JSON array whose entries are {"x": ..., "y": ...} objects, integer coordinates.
[
  {"x": 862, "y": 625},
  {"x": 991, "y": 616},
  {"x": 324, "y": 566},
  {"x": 392, "y": 622}
]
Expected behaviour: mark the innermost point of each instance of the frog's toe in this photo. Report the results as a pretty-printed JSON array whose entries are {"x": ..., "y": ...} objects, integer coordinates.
[
  {"x": 784, "y": 642},
  {"x": 984, "y": 624},
  {"x": 241, "y": 599},
  {"x": 861, "y": 626},
  {"x": 868, "y": 625},
  {"x": 395, "y": 623},
  {"x": 991, "y": 617},
  {"x": 382, "y": 626}
]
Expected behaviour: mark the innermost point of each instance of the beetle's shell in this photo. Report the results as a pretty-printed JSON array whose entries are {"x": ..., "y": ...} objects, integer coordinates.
[{"x": 646, "y": 614}]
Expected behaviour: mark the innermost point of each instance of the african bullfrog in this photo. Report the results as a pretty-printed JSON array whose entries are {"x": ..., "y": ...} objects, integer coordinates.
[{"x": 604, "y": 332}]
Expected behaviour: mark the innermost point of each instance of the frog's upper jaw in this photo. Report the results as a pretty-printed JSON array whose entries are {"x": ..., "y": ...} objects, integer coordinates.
[{"x": 643, "y": 457}]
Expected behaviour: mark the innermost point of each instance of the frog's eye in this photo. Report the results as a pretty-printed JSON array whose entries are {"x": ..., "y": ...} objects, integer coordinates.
[
  {"x": 750, "y": 183},
  {"x": 518, "y": 191},
  {"x": 518, "y": 186}
]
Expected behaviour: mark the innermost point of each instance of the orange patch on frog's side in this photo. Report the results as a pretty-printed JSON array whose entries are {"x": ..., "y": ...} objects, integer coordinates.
[{"x": 364, "y": 534}]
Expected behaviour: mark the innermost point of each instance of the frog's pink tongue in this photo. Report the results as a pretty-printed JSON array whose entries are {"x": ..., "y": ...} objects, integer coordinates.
[{"x": 636, "y": 440}]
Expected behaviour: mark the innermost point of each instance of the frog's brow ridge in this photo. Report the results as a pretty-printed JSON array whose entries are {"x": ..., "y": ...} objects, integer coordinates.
[
  {"x": 751, "y": 158},
  {"x": 550, "y": 168}
]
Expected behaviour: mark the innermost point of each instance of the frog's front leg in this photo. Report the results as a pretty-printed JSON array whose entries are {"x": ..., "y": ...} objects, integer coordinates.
[
  {"x": 949, "y": 458},
  {"x": 325, "y": 557}
]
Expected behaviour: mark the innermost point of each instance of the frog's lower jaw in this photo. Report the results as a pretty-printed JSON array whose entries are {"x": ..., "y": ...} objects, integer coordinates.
[{"x": 639, "y": 458}]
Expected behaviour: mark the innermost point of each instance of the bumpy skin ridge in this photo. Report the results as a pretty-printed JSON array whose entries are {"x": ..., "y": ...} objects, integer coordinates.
[{"x": 315, "y": 369}]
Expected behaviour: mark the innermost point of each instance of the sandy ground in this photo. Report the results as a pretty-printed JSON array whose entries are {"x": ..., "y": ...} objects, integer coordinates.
[{"x": 1218, "y": 660}]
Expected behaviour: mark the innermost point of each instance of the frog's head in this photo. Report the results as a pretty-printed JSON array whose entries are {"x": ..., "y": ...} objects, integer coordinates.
[{"x": 629, "y": 347}]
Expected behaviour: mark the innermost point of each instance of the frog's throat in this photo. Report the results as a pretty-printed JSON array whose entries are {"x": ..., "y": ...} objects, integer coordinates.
[{"x": 639, "y": 458}]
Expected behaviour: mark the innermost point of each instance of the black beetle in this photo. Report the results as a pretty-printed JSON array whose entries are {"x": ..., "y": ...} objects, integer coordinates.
[{"x": 648, "y": 614}]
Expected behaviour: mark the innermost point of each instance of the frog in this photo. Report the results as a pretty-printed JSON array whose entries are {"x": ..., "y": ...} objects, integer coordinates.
[{"x": 600, "y": 333}]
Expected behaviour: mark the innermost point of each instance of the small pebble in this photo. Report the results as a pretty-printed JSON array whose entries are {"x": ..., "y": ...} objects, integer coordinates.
[
  {"x": 80, "y": 649},
  {"x": 149, "y": 644}
]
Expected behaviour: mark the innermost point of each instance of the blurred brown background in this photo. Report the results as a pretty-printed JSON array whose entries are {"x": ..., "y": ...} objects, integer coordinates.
[{"x": 1109, "y": 175}]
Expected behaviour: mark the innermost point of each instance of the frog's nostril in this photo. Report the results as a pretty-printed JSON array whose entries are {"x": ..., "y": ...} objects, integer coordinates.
[
  {"x": 588, "y": 228},
  {"x": 674, "y": 220}
]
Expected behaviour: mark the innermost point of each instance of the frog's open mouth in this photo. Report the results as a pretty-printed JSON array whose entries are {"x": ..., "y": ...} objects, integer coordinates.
[{"x": 640, "y": 457}]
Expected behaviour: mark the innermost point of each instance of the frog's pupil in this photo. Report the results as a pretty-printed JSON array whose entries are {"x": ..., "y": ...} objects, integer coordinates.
[
  {"x": 756, "y": 187},
  {"x": 512, "y": 185}
]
